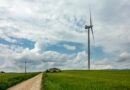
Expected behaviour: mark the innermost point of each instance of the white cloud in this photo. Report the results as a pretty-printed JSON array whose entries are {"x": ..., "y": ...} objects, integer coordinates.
[
  {"x": 48, "y": 59},
  {"x": 47, "y": 22},
  {"x": 124, "y": 57},
  {"x": 69, "y": 47}
]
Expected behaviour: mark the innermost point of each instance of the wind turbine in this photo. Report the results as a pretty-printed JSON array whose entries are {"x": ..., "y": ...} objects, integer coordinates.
[{"x": 90, "y": 29}]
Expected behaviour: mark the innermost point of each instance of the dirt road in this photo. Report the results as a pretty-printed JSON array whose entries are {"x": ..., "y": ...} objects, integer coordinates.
[{"x": 31, "y": 84}]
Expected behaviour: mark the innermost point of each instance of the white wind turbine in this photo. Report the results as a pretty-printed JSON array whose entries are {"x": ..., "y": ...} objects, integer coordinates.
[{"x": 90, "y": 29}]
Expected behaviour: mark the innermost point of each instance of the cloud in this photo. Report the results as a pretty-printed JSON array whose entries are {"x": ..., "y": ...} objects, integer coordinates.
[
  {"x": 69, "y": 47},
  {"x": 40, "y": 61},
  {"x": 48, "y": 23},
  {"x": 124, "y": 57}
]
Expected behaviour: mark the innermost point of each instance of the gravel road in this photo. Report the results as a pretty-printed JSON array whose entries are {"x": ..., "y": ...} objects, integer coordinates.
[{"x": 30, "y": 84}]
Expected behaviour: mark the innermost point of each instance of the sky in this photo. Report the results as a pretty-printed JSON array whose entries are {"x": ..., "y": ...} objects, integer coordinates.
[{"x": 51, "y": 33}]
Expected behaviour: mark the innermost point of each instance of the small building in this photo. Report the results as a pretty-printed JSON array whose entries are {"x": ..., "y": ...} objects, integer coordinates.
[{"x": 52, "y": 70}]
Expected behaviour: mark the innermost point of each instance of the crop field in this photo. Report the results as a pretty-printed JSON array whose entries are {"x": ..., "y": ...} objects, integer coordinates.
[
  {"x": 87, "y": 80},
  {"x": 9, "y": 79}
]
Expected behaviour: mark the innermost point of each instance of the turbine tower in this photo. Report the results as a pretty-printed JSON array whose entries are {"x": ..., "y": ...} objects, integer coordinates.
[
  {"x": 90, "y": 29},
  {"x": 25, "y": 67}
]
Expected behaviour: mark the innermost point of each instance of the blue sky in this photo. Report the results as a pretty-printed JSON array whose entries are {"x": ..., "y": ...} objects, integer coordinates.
[
  {"x": 66, "y": 47},
  {"x": 50, "y": 33},
  {"x": 20, "y": 42}
]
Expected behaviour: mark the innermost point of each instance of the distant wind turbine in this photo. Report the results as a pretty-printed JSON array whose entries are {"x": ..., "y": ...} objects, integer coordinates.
[{"x": 89, "y": 28}]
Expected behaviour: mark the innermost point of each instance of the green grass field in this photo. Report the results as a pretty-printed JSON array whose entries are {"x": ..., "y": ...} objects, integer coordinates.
[
  {"x": 87, "y": 80},
  {"x": 9, "y": 79}
]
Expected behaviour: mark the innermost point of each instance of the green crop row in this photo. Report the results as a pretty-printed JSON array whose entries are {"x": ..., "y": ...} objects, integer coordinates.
[
  {"x": 9, "y": 79},
  {"x": 87, "y": 80}
]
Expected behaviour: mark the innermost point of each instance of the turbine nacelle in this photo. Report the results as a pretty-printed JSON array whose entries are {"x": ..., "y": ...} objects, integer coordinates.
[{"x": 88, "y": 27}]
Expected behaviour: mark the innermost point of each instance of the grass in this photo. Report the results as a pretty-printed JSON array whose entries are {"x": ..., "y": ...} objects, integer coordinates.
[
  {"x": 9, "y": 79},
  {"x": 88, "y": 80}
]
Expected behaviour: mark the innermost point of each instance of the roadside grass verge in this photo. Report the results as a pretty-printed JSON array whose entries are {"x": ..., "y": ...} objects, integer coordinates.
[
  {"x": 42, "y": 83},
  {"x": 87, "y": 80},
  {"x": 9, "y": 79}
]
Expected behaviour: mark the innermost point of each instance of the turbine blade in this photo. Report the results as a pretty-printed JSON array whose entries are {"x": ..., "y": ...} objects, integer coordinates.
[
  {"x": 92, "y": 33},
  {"x": 91, "y": 24}
]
